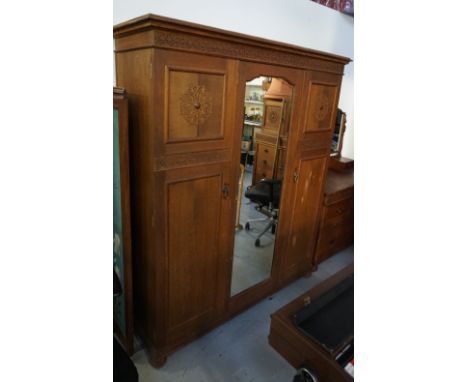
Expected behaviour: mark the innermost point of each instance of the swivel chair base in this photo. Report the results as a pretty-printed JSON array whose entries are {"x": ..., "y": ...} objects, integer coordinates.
[{"x": 270, "y": 226}]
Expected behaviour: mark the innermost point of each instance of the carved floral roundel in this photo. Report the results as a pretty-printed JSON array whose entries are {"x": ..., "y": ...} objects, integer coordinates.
[
  {"x": 323, "y": 105},
  {"x": 196, "y": 104},
  {"x": 273, "y": 116}
]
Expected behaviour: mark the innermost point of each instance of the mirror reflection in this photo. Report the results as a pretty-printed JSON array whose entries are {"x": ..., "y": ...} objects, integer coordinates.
[
  {"x": 340, "y": 127},
  {"x": 262, "y": 162}
]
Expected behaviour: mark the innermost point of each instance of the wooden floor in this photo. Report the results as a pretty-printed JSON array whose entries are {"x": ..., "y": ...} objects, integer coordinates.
[{"x": 238, "y": 350}]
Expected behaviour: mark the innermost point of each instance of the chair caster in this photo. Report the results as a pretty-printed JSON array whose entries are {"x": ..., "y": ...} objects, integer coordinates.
[
  {"x": 305, "y": 374},
  {"x": 257, "y": 243},
  {"x": 247, "y": 226}
]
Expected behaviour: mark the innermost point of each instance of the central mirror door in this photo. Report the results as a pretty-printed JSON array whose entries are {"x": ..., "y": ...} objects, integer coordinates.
[{"x": 262, "y": 160}]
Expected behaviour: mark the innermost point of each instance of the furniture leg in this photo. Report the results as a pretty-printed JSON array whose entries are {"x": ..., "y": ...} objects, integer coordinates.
[{"x": 157, "y": 359}]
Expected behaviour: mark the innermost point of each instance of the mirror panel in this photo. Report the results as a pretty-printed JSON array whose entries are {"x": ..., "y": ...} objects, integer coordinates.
[
  {"x": 262, "y": 161},
  {"x": 340, "y": 127}
]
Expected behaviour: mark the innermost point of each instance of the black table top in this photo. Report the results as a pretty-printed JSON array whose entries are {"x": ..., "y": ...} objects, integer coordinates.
[{"x": 329, "y": 319}]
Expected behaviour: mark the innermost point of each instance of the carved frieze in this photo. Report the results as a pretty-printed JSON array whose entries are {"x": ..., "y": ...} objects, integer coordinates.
[
  {"x": 170, "y": 162},
  {"x": 312, "y": 143},
  {"x": 206, "y": 45}
]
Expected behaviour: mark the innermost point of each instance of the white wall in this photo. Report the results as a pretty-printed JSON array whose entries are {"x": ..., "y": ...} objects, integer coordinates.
[{"x": 298, "y": 22}]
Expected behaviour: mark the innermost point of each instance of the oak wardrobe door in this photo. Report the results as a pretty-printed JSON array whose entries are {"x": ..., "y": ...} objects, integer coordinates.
[
  {"x": 312, "y": 151},
  {"x": 194, "y": 205}
]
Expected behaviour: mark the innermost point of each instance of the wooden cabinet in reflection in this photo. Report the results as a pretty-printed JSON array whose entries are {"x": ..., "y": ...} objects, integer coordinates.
[{"x": 272, "y": 140}]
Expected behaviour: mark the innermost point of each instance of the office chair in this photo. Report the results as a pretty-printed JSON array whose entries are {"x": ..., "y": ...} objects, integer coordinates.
[{"x": 266, "y": 194}]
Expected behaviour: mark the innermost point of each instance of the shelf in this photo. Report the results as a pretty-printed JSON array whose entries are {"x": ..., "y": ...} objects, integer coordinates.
[
  {"x": 251, "y": 123},
  {"x": 253, "y": 102}
]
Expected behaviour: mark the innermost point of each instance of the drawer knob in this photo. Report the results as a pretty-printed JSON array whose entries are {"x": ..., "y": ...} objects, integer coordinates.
[
  {"x": 339, "y": 210},
  {"x": 265, "y": 161},
  {"x": 266, "y": 150}
]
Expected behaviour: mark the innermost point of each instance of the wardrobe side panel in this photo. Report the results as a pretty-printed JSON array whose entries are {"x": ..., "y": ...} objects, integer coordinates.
[{"x": 134, "y": 73}]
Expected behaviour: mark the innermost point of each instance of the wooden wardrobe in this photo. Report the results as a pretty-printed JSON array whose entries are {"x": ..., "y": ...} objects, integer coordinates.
[{"x": 186, "y": 85}]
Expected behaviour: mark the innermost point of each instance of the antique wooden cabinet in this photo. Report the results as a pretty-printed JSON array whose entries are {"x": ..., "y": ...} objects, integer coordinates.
[
  {"x": 270, "y": 157},
  {"x": 337, "y": 221},
  {"x": 186, "y": 86},
  {"x": 272, "y": 140}
]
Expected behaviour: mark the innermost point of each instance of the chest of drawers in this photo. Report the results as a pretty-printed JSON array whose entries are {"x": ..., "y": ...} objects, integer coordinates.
[
  {"x": 337, "y": 220},
  {"x": 270, "y": 157},
  {"x": 265, "y": 161}
]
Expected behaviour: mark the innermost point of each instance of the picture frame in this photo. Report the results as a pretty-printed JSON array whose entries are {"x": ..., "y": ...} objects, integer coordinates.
[{"x": 122, "y": 243}]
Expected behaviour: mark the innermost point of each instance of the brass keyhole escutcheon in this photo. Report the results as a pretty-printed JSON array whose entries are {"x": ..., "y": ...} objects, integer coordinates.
[
  {"x": 295, "y": 176},
  {"x": 225, "y": 191}
]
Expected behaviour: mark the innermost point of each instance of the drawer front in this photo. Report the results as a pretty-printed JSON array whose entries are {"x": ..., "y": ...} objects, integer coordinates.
[
  {"x": 271, "y": 139},
  {"x": 264, "y": 161},
  {"x": 345, "y": 207},
  {"x": 332, "y": 232},
  {"x": 333, "y": 239},
  {"x": 345, "y": 218}
]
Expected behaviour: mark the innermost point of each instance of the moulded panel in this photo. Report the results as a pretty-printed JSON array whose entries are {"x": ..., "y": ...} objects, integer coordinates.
[
  {"x": 321, "y": 100},
  {"x": 195, "y": 105},
  {"x": 193, "y": 216}
]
